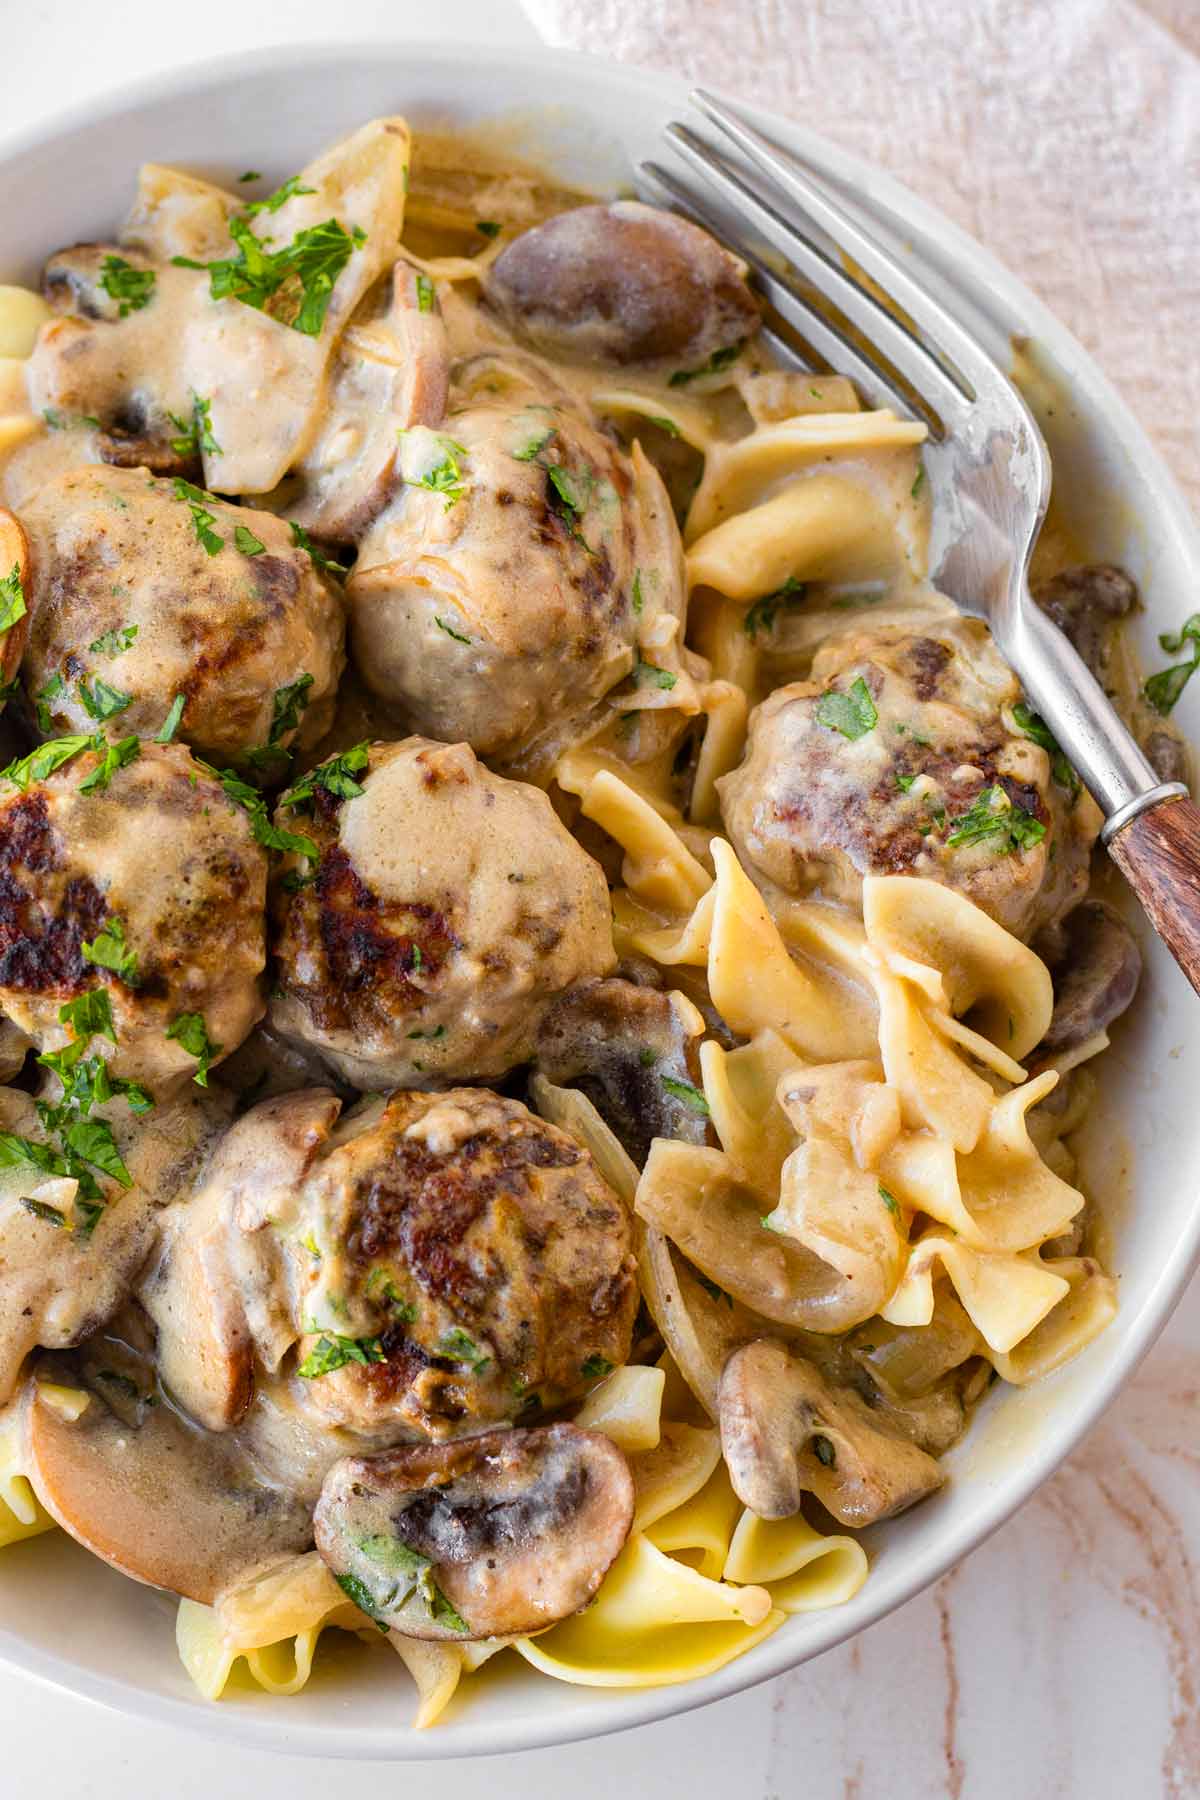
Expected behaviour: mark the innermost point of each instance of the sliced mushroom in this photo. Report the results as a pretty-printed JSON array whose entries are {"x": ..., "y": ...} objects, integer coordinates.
[
  {"x": 1101, "y": 969},
  {"x": 622, "y": 283},
  {"x": 785, "y": 1431},
  {"x": 630, "y": 1051},
  {"x": 137, "y": 1486},
  {"x": 219, "y": 1289},
  {"x": 493, "y": 1536},
  {"x": 14, "y": 559},
  {"x": 391, "y": 372},
  {"x": 1088, "y": 602}
]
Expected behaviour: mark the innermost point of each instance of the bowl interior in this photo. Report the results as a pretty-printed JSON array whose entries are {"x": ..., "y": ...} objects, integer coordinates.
[{"x": 67, "y": 1618}]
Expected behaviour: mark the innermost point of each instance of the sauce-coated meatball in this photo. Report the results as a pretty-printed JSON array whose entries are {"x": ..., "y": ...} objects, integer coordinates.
[
  {"x": 901, "y": 756},
  {"x": 508, "y": 585},
  {"x": 140, "y": 595},
  {"x": 478, "y": 1247},
  {"x": 145, "y": 880},
  {"x": 447, "y": 909}
]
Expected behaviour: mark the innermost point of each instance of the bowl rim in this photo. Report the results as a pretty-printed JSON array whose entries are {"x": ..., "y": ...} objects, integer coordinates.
[{"x": 878, "y": 191}]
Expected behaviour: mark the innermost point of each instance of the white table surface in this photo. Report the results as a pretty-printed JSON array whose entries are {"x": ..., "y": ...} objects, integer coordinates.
[{"x": 1062, "y": 1659}]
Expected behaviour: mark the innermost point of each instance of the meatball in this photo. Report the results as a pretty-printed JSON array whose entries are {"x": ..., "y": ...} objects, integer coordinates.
[
  {"x": 477, "y": 1254},
  {"x": 144, "y": 591},
  {"x": 902, "y": 756},
  {"x": 138, "y": 878},
  {"x": 622, "y": 283},
  {"x": 509, "y": 584},
  {"x": 447, "y": 908}
]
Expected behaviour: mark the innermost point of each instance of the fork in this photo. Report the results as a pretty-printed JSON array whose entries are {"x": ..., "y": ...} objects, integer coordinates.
[{"x": 985, "y": 459}]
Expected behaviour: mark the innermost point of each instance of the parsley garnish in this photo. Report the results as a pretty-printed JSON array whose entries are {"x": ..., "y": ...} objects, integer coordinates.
[
  {"x": 904, "y": 782},
  {"x": 664, "y": 424},
  {"x": 202, "y": 519},
  {"x": 336, "y": 776},
  {"x": 853, "y": 713},
  {"x": 191, "y": 1034},
  {"x": 647, "y": 674},
  {"x": 250, "y": 175},
  {"x": 533, "y": 446},
  {"x": 288, "y": 708},
  {"x": 291, "y": 187},
  {"x": 572, "y": 490},
  {"x": 101, "y": 701},
  {"x": 411, "y": 1573},
  {"x": 635, "y": 592},
  {"x": 1035, "y": 727},
  {"x": 594, "y": 1367},
  {"x": 112, "y": 757},
  {"x": 246, "y": 541},
  {"x": 425, "y": 294},
  {"x": 358, "y": 1591},
  {"x": 490, "y": 228},
  {"x": 49, "y": 691},
  {"x": 132, "y": 288},
  {"x": 993, "y": 815},
  {"x": 720, "y": 359},
  {"x": 761, "y": 616},
  {"x": 1163, "y": 690},
  {"x": 317, "y": 557},
  {"x": 108, "y": 950},
  {"x": 402, "y": 1310},
  {"x": 44, "y": 760},
  {"x": 683, "y": 1090},
  {"x": 12, "y": 599},
  {"x": 889, "y": 1200},
  {"x": 331, "y": 1352},
  {"x": 264, "y": 832},
  {"x": 113, "y": 643},
  {"x": 445, "y": 477},
  {"x": 298, "y": 280},
  {"x": 195, "y": 434},
  {"x": 918, "y": 483},
  {"x": 449, "y": 630},
  {"x": 170, "y": 724},
  {"x": 461, "y": 1348}
]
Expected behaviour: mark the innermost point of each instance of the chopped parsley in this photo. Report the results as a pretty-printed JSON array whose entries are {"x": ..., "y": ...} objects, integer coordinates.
[
  {"x": 889, "y": 1200},
  {"x": 191, "y": 1034},
  {"x": 438, "y": 1031},
  {"x": 60, "y": 421},
  {"x": 446, "y": 476},
  {"x": 647, "y": 674},
  {"x": 993, "y": 816},
  {"x": 491, "y": 228},
  {"x": 720, "y": 359},
  {"x": 270, "y": 836},
  {"x": 411, "y": 1573},
  {"x": 245, "y": 540},
  {"x": 852, "y": 713},
  {"x": 101, "y": 701},
  {"x": 664, "y": 424},
  {"x": 331, "y": 1352},
  {"x": 131, "y": 288},
  {"x": 918, "y": 483},
  {"x": 1163, "y": 690},
  {"x": 425, "y": 294},
  {"x": 336, "y": 776},
  {"x": 761, "y": 616},
  {"x": 381, "y": 1285},
  {"x": 170, "y": 724},
  {"x": 594, "y": 1368},
  {"x": 250, "y": 175},
  {"x": 295, "y": 284},
  {"x": 904, "y": 782},
  {"x": 291, "y": 187},
  {"x": 635, "y": 592},
  {"x": 1035, "y": 727},
  {"x": 203, "y": 519},
  {"x": 112, "y": 757},
  {"x": 89, "y": 1015},
  {"x": 44, "y": 760},
  {"x": 572, "y": 490},
  {"x": 113, "y": 643},
  {"x": 459, "y": 1347},
  {"x": 49, "y": 691},
  {"x": 12, "y": 599},
  {"x": 533, "y": 446},
  {"x": 683, "y": 1090},
  {"x": 287, "y": 710},
  {"x": 195, "y": 433},
  {"x": 49, "y": 1215},
  {"x": 108, "y": 950},
  {"x": 449, "y": 630},
  {"x": 317, "y": 557}
]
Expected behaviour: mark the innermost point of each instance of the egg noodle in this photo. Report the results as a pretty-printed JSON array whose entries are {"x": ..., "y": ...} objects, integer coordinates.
[{"x": 881, "y": 1178}]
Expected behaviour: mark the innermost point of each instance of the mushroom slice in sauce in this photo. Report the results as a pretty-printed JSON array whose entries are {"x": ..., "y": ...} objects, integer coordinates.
[
  {"x": 493, "y": 1536},
  {"x": 391, "y": 372},
  {"x": 785, "y": 1430},
  {"x": 1098, "y": 978},
  {"x": 622, "y": 283},
  {"x": 14, "y": 598},
  {"x": 630, "y": 1051},
  {"x": 219, "y": 1288},
  {"x": 140, "y": 1488}
]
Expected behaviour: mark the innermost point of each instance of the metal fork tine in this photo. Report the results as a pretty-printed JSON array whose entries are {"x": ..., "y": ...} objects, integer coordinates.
[
  {"x": 881, "y": 329},
  {"x": 839, "y": 352},
  {"x": 947, "y": 341}
]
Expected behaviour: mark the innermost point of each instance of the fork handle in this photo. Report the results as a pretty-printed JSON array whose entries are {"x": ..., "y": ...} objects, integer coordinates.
[{"x": 1158, "y": 852}]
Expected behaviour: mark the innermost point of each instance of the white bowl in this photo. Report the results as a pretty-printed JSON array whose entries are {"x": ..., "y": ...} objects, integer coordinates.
[{"x": 71, "y": 1621}]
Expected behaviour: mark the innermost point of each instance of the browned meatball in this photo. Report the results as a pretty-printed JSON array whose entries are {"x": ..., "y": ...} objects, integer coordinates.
[
  {"x": 447, "y": 908},
  {"x": 622, "y": 283},
  {"x": 476, "y": 1252},
  {"x": 143, "y": 881},
  {"x": 523, "y": 568},
  {"x": 142, "y": 594},
  {"x": 901, "y": 756}
]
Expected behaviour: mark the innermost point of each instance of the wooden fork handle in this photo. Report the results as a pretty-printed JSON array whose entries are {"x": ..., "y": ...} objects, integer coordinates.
[{"x": 1158, "y": 852}]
